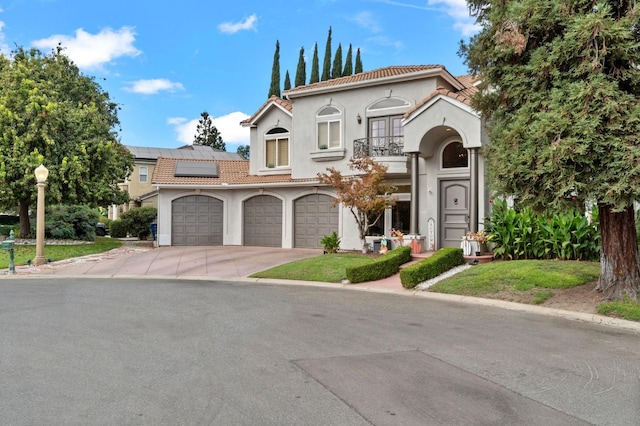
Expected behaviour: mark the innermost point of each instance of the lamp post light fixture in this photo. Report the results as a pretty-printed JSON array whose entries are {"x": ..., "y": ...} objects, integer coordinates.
[{"x": 41, "y": 177}]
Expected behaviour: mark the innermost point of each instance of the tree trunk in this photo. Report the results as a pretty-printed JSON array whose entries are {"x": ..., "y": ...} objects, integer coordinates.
[
  {"x": 620, "y": 274},
  {"x": 23, "y": 212}
]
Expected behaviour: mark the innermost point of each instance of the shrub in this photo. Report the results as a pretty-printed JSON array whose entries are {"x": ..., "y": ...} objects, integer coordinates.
[
  {"x": 331, "y": 243},
  {"x": 441, "y": 261},
  {"x": 138, "y": 221},
  {"x": 71, "y": 222},
  {"x": 524, "y": 234},
  {"x": 6, "y": 219},
  {"x": 5, "y": 230},
  {"x": 383, "y": 267},
  {"x": 117, "y": 229}
]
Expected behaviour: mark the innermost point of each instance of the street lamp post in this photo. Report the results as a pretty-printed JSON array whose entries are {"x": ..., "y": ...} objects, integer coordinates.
[{"x": 41, "y": 177}]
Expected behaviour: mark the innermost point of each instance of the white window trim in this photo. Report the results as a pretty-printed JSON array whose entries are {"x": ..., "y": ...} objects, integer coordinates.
[
  {"x": 277, "y": 137},
  {"x": 145, "y": 174},
  {"x": 328, "y": 119}
]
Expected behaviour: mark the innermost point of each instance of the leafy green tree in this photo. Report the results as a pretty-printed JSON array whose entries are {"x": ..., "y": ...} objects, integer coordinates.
[
  {"x": 562, "y": 102},
  {"x": 315, "y": 72},
  {"x": 287, "y": 81},
  {"x": 365, "y": 193},
  {"x": 326, "y": 65},
  {"x": 52, "y": 114},
  {"x": 358, "y": 68},
  {"x": 274, "y": 89},
  {"x": 348, "y": 63},
  {"x": 244, "y": 151},
  {"x": 301, "y": 70},
  {"x": 207, "y": 134},
  {"x": 336, "y": 71}
]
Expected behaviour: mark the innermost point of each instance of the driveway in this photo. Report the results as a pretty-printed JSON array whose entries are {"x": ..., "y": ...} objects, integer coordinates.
[{"x": 219, "y": 262}]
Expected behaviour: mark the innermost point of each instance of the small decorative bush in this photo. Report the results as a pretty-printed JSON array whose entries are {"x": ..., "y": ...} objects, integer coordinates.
[
  {"x": 138, "y": 221},
  {"x": 117, "y": 229},
  {"x": 70, "y": 222},
  {"x": 331, "y": 243},
  {"x": 440, "y": 262},
  {"x": 383, "y": 267}
]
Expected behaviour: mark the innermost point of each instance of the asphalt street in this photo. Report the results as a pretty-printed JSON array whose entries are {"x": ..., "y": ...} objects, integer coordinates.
[{"x": 167, "y": 352}]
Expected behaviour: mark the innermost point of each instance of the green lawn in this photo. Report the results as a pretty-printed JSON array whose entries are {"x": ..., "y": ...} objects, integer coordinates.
[
  {"x": 519, "y": 275},
  {"x": 58, "y": 252},
  {"x": 329, "y": 268}
]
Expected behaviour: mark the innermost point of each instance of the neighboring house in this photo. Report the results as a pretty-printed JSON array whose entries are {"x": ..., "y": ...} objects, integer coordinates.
[
  {"x": 138, "y": 185},
  {"x": 415, "y": 119}
]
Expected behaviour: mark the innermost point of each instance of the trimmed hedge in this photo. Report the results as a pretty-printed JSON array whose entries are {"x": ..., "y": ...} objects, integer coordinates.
[
  {"x": 117, "y": 229},
  {"x": 382, "y": 267},
  {"x": 441, "y": 261}
]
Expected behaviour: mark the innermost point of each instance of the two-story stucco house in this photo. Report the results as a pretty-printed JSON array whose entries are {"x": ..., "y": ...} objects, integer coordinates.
[{"x": 415, "y": 119}]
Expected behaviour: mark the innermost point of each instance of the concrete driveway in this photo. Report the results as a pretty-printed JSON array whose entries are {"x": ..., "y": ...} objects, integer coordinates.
[{"x": 225, "y": 263}]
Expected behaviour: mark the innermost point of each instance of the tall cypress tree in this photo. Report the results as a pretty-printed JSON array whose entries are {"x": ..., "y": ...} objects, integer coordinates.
[
  {"x": 326, "y": 65},
  {"x": 315, "y": 71},
  {"x": 287, "y": 81},
  {"x": 348, "y": 65},
  {"x": 301, "y": 71},
  {"x": 275, "y": 73},
  {"x": 358, "y": 69},
  {"x": 336, "y": 71}
]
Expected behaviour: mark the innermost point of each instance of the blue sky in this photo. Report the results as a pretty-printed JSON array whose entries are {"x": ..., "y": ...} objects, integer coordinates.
[{"x": 166, "y": 62}]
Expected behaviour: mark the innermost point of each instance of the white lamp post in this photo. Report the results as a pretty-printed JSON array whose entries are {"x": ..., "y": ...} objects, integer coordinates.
[{"x": 41, "y": 177}]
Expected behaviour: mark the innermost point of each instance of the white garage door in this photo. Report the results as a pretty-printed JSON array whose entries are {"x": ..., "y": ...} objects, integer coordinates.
[
  {"x": 315, "y": 217},
  {"x": 196, "y": 220},
  {"x": 263, "y": 221}
]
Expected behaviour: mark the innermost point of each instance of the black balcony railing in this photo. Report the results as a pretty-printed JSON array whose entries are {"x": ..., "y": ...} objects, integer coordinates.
[{"x": 383, "y": 146}]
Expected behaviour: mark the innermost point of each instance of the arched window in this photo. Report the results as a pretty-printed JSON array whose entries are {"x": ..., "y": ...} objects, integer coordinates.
[
  {"x": 329, "y": 127},
  {"x": 455, "y": 155},
  {"x": 277, "y": 148}
]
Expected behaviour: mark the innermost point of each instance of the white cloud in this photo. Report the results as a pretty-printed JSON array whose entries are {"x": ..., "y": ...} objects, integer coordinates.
[
  {"x": 4, "y": 47},
  {"x": 228, "y": 125},
  {"x": 151, "y": 87},
  {"x": 250, "y": 23},
  {"x": 456, "y": 9},
  {"x": 386, "y": 41},
  {"x": 90, "y": 51},
  {"x": 459, "y": 11},
  {"x": 367, "y": 21}
]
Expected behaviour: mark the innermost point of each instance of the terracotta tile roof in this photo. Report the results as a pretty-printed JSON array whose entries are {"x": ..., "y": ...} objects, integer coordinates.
[
  {"x": 463, "y": 95},
  {"x": 231, "y": 172},
  {"x": 365, "y": 76},
  {"x": 284, "y": 103}
]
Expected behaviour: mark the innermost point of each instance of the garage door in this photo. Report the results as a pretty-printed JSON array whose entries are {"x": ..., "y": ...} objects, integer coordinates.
[
  {"x": 263, "y": 221},
  {"x": 196, "y": 220},
  {"x": 315, "y": 217}
]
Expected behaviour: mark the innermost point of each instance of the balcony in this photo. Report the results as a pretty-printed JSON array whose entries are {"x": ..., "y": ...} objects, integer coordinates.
[
  {"x": 387, "y": 150},
  {"x": 381, "y": 146}
]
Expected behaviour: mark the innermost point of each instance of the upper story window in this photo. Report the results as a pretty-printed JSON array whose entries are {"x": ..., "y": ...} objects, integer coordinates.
[
  {"x": 277, "y": 148},
  {"x": 143, "y": 174},
  {"x": 329, "y": 125},
  {"x": 455, "y": 155},
  {"x": 389, "y": 103}
]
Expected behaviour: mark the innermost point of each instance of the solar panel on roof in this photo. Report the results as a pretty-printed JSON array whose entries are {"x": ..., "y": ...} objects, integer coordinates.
[{"x": 196, "y": 169}]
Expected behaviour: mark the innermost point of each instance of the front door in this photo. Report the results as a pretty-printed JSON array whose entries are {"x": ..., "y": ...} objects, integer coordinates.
[{"x": 454, "y": 212}]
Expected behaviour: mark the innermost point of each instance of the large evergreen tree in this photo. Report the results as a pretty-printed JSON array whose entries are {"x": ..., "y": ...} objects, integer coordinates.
[
  {"x": 562, "y": 102},
  {"x": 348, "y": 63},
  {"x": 358, "y": 68},
  {"x": 315, "y": 72},
  {"x": 207, "y": 134},
  {"x": 244, "y": 151},
  {"x": 287, "y": 81},
  {"x": 274, "y": 89},
  {"x": 301, "y": 70},
  {"x": 326, "y": 65},
  {"x": 52, "y": 114},
  {"x": 336, "y": 70}
]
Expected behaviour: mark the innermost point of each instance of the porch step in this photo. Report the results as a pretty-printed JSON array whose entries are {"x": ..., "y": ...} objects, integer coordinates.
[
  {"x": 415, "y": 258},
  {"x": 485, "y": 258}
]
